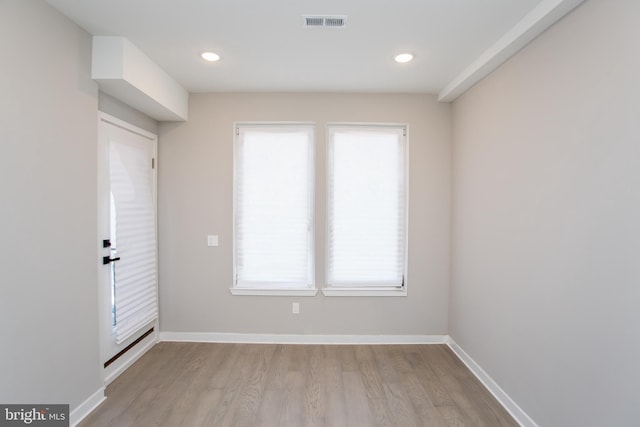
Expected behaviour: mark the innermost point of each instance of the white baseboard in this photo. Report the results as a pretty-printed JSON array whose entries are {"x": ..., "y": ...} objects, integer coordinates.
[
  {"x": 86, "y": 407},
  {"x": 129, "y": 358},
  {"x": 212, "y": 337},
  {"x": 509, "y": 404}
]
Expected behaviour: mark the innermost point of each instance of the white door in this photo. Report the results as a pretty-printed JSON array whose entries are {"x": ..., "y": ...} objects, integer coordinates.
[{"x": 128, "y": 245}]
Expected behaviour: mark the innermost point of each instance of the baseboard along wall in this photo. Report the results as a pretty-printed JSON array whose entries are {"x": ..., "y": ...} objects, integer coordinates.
[
  {"x": 501, "y": 396},
  {"x": 86, "y": 407},
  {"x": 212, "y": 337}
]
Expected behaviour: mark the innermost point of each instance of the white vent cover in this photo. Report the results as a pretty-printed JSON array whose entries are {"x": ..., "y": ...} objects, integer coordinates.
[{"x": 324, "y": 21}]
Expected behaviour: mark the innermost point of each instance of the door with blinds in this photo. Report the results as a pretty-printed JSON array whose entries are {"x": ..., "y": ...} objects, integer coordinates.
[{"x": 128, "y": 245}]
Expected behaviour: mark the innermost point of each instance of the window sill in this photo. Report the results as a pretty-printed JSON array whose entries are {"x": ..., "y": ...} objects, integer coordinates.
[
  {"x": 275, "y": 292},
  {"x": 366, "y": 292}
]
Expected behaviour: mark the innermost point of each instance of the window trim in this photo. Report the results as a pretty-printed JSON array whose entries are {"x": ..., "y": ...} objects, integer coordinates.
[
  {"x": 373, "y": 290},
  {"x": 292, "y": 292},
  {"x": 274, "y": 289},
  {"x": 332, "y": 291}
]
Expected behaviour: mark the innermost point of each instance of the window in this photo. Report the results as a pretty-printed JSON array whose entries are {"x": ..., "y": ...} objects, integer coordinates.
[
  {"x": 273, "y": 203},
  {"x": 367, "y": 199}
]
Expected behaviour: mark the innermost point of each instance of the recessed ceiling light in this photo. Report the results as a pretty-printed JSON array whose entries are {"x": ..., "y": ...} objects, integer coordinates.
[
  {"x": 210, "y": 56},
  {"x": 403, "y": 57}
]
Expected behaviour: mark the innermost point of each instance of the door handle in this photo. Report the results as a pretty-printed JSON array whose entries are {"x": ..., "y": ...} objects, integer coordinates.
[{"x": 108, "y": 260}]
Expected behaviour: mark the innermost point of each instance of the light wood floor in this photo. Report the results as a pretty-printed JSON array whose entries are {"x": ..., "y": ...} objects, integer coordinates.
[{"x": 195, "y": 384}]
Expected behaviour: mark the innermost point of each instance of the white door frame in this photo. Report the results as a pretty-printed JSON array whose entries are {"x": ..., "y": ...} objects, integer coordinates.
[{"x": 108, "y": 348}]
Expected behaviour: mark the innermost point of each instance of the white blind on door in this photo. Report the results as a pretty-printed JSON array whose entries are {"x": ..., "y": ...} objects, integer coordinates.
[
  {"x": 273, "y": 206},
  {"x": 135, "y": 237},
  {"x": 366, "y": 206}
]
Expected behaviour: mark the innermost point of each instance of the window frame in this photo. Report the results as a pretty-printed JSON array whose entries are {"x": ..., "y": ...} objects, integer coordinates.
[
  {"x": 363, "y": 290},
  {"x": 271, "y": 288}
]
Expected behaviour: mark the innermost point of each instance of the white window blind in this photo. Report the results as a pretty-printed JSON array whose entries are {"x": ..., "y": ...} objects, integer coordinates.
[
  {"x": 134, "y": 237},
  {"x": 367, "y": 198},
  {"x": 273, "y": 192}
]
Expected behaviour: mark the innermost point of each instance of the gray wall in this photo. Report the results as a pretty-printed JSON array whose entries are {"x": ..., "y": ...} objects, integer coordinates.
[
  {"x": 195, "y": 199},
  {"x": 545, "y": 279},
  {"x": 48, "y": 255}
]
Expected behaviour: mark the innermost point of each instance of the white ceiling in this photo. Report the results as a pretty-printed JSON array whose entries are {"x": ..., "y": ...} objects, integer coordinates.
[{"x": 264, "y": 46}]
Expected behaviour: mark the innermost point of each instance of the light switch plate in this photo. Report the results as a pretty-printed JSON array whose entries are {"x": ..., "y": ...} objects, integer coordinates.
[{"x": 212, "y": 240}]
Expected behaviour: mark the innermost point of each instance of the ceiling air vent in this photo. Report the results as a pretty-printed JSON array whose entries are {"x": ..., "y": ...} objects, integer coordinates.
[{"x": 322, "y": 21}]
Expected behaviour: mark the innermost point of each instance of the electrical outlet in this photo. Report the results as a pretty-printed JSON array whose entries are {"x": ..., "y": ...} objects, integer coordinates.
[{"x": 295, "y": 308}]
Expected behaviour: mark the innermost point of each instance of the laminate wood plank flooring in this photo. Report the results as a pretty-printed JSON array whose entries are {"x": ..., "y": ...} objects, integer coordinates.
[{"x": 247, "y": 385}]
